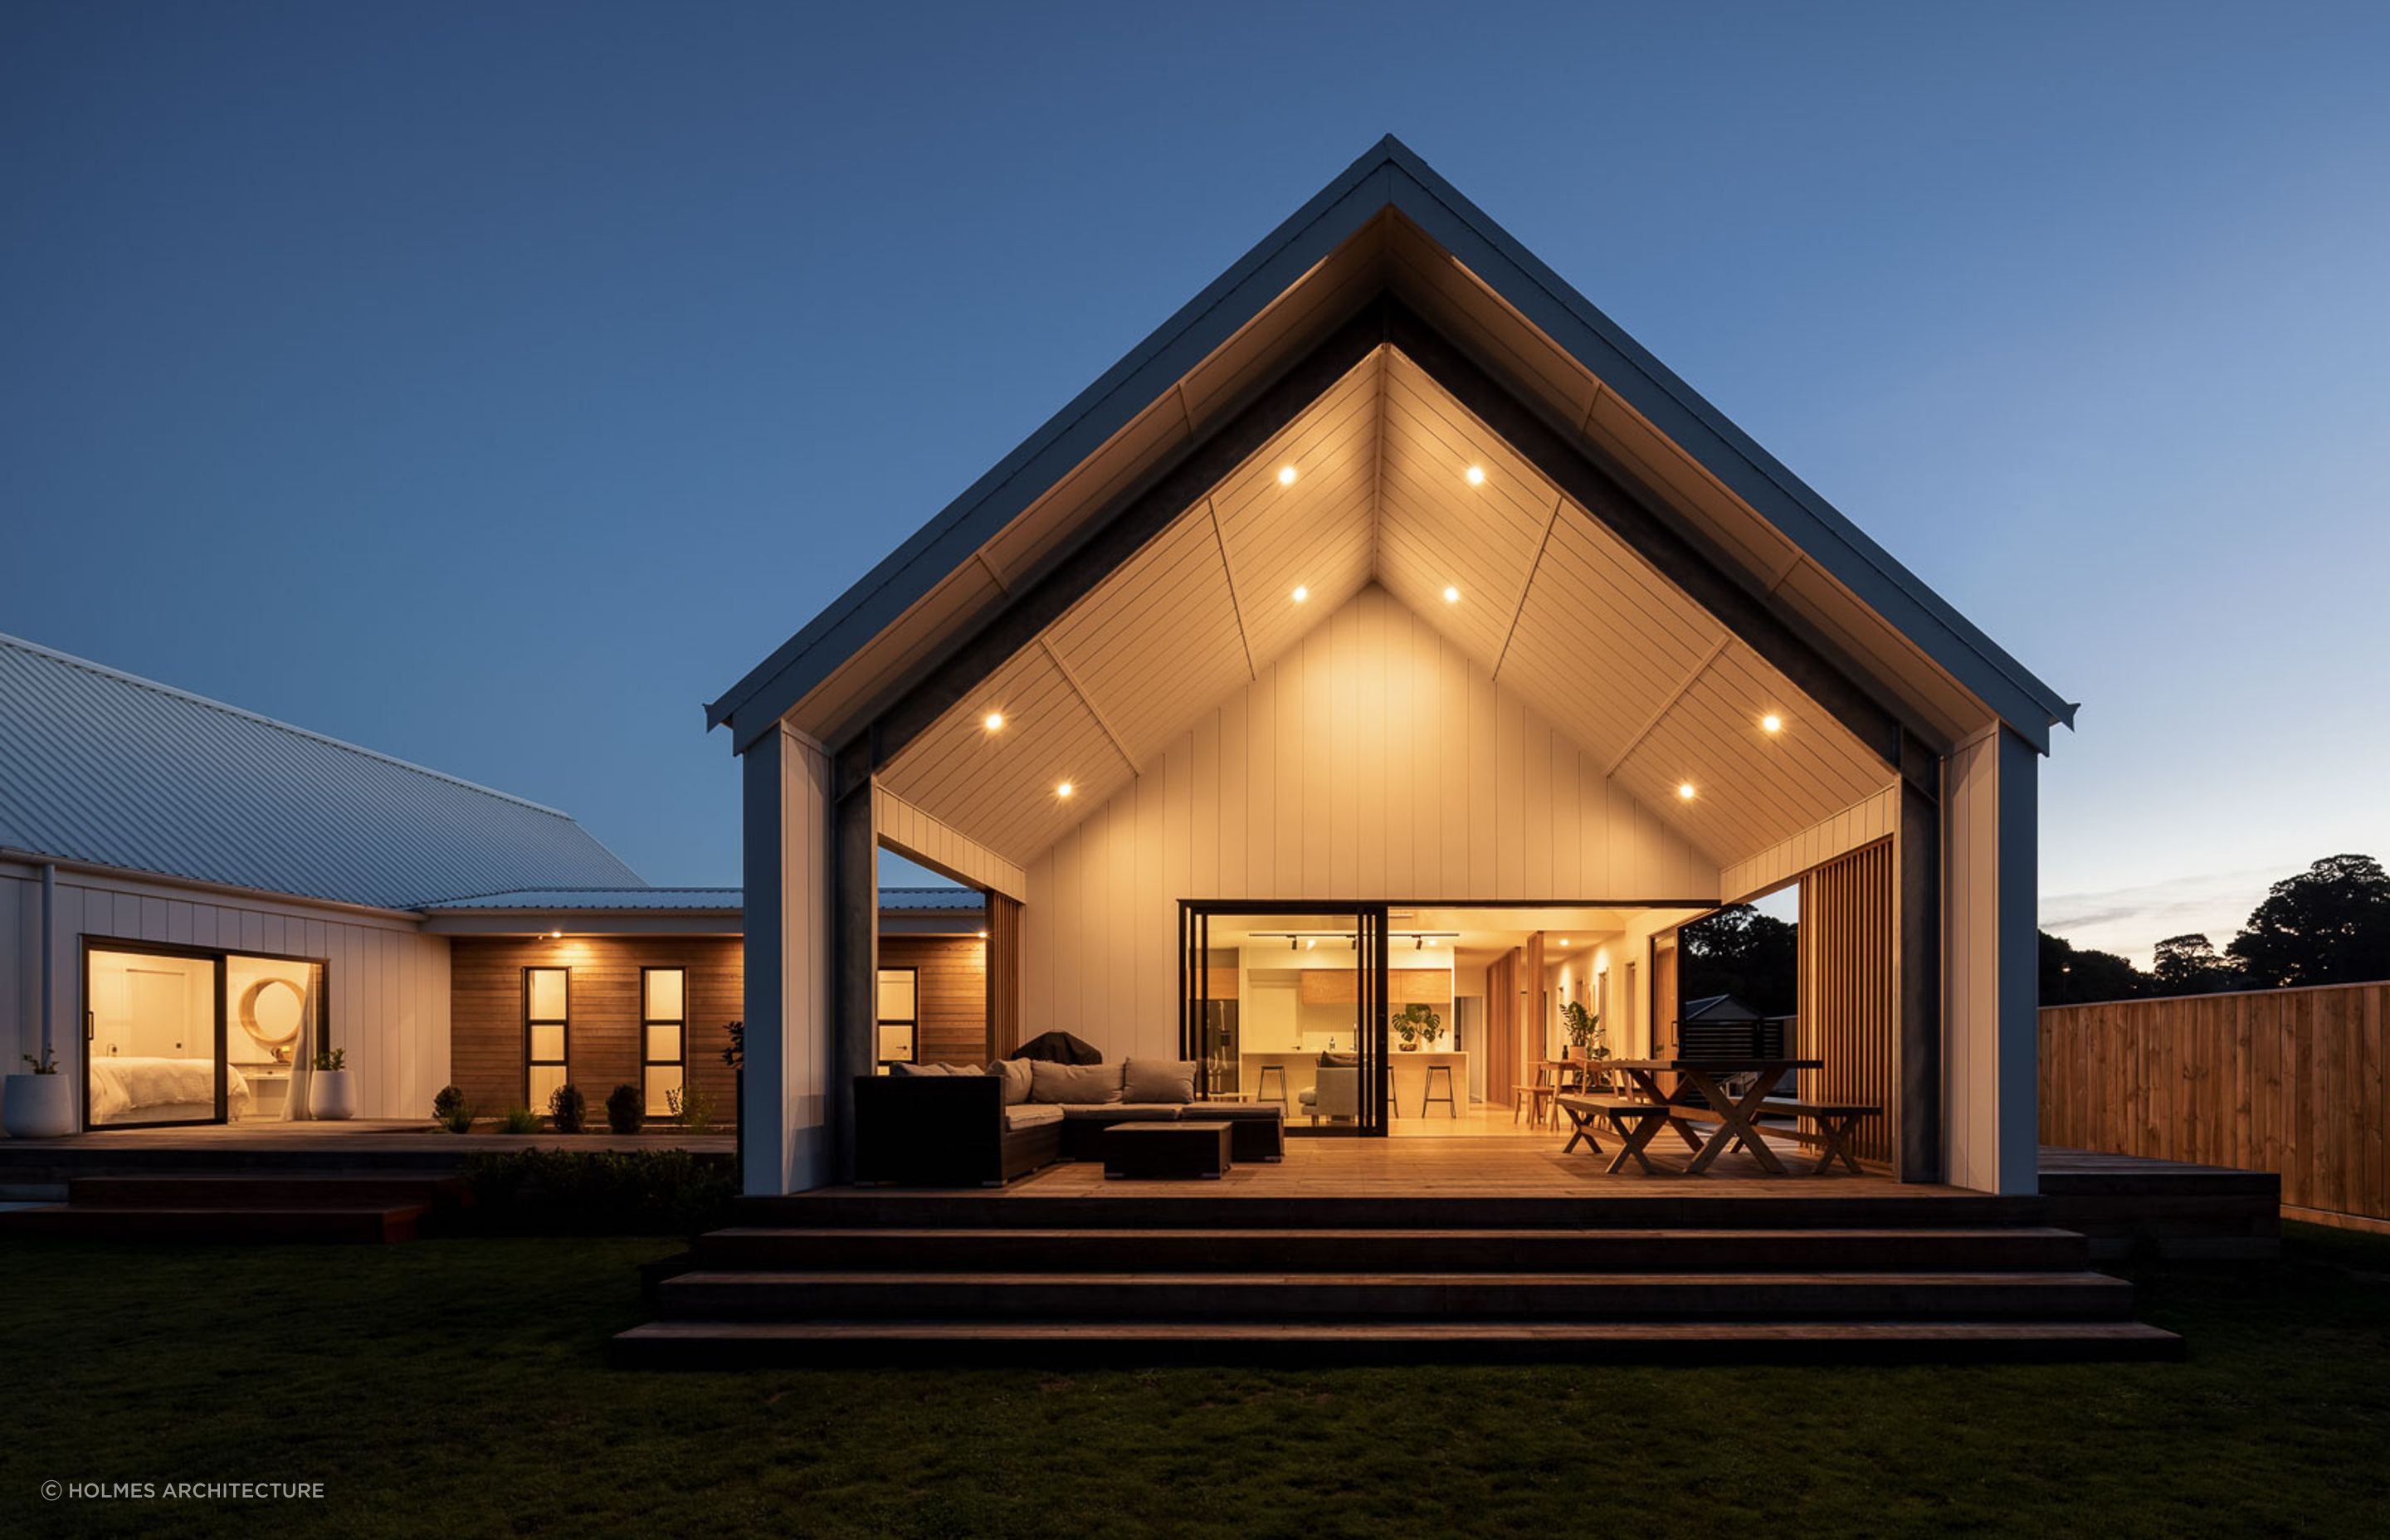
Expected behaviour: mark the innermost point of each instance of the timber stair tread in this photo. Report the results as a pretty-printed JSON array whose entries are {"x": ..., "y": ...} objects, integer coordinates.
[
  {"x": 714, "y": 1344},
  {"x": 1181, "y": 1248},
  {"x": 369, "y": 1224},
  {"x": 1374, "y": 1296}
]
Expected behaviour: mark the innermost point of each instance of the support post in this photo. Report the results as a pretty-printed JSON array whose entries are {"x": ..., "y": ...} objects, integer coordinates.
[
  {"x": 764, "y": 1133},
  {"x": 854, "y": 964},
  {"x": 1917, "y": 960}
]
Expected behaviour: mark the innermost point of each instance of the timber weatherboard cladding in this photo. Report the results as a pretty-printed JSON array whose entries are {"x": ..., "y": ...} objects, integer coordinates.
[
  {"x": 950, "y": 994},
  {"x": 1375, "y": 760},
  {"x": 486, "y": 1045},
  {"x": 1846, "y": 1014}
]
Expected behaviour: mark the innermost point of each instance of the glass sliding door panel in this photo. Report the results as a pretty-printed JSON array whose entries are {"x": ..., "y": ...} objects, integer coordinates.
[{"x": 152, "y": 1031}]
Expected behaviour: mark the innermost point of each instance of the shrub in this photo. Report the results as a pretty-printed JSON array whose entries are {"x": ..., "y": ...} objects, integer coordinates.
[
  {"x": 448, "y": 1109},
  {"x": 598, "y": 1192},
  {"x": 567, "y": 1108},
  {"x": 626, "y": 1110},
  {"x": 519, "y": 1120},
  {"x": 693, "y": 1106}
]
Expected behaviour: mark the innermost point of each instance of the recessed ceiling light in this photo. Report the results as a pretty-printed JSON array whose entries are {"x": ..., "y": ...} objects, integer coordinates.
[
  {"x": 1685, "y": 792},
  {"x": 991, "y": 721},
  {"x": 1452, "y": 595},
  {"x": 1564, "y": 940},
  {"x": 1772, "y": 723},
  {"x": 556, "y": 935},
  {"x": 1300, "y": 593},
  {"x": 1474, "y": 474},
  {"x": 1286, "y": 475},
  {"x": 982, "y": 935},
  {"x": 1066, "y": 789}
]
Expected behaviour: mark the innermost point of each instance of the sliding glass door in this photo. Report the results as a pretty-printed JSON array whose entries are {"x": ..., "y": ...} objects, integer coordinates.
[
  {"x": 178, "y": 1035},
  {"x": 1284, "y": 1003}
]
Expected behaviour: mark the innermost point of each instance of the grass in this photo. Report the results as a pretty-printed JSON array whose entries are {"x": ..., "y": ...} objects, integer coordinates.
[{"x": 460, "y": 1388}]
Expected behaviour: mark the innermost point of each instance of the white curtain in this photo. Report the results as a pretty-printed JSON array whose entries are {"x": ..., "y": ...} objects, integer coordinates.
[{"x": 302, "y": 1056}]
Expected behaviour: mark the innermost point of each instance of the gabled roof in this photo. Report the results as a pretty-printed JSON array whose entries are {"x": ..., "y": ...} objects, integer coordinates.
[
  {"x": 1391, "y": 224},
  {"x": 104, "y": 767}
]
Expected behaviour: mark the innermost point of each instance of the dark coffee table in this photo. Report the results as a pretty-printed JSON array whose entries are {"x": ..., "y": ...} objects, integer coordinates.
[{"x": 1166, "y": 1149}]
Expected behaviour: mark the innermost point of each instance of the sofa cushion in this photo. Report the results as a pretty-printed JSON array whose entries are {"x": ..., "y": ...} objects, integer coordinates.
[
  {"x": 1123, "y": 1112},
  {"x": 1155, "y": 1080},
  {"x": 1073, "y": 1085},
  {"x": 1016, "y": 1078},
  {"x": 1030, "y": 1115},
  {"x": 932, "y": 1069}
]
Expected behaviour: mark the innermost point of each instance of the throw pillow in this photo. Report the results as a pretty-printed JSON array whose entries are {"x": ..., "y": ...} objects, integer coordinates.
[
  {"x": 1073, "y": 1085},
  {"x": 1158, "y": 1080},
  {"x": 1016, "y": 1077}
]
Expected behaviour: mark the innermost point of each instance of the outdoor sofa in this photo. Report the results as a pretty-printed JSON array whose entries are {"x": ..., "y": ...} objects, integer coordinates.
[{"x": 965, "y": 1125}]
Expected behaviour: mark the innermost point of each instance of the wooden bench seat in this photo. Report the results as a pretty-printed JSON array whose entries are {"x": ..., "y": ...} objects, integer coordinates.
[
  {"x": 1836, "y": 1122},
  {"x": 1635, "y": 1121}
]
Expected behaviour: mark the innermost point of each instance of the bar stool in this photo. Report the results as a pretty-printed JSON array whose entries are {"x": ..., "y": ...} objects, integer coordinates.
[
  {"x": 1427, "y": 1092},
  {"x": 1262, "y": 1089}
]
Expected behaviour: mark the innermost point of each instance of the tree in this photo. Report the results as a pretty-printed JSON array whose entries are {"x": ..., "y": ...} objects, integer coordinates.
[
  {"x": 2190, "y": 965},
  {"x": 1741, "y": 952},
  {"x": 2327, "y": 925},
  {"x": 2070, "y": 975}
]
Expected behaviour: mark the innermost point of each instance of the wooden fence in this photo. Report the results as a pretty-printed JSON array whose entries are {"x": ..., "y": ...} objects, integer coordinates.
[{"x": 2291, "y": 1080}]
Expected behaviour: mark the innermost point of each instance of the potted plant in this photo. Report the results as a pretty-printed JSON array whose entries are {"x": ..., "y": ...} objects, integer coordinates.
[
  {"x": 332, "y": 1092},
  {"x": 1583, "y": 1029},
  {"x": 37, "y": 1106},
  {"x": 1415, "y": 1023}
]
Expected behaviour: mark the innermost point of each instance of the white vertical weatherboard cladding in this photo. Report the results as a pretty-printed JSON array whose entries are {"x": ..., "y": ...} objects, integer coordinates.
[
  {"x": 1990, "y": 952},
  {"x": 785, "y": 1119},
  {"x": 388, "y": 1005},
  {"x": 1862, "y": 823},
  {"x": 1373, "y": 759}
]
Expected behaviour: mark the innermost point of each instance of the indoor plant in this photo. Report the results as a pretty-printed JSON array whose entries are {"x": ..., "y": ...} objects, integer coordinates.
[
  {"x": 37, "y": 1106},
  {"x": 332, "y": 1094},
  {"x": 1416, "y": 1022},
  {"x": 1583, "y": 1029}
]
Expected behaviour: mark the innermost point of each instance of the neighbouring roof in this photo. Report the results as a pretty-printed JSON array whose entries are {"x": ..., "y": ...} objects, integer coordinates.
[
  {"x": 1390, "y": 225},
  {"x": 632, "y": 900},
  {"x": 104, "y": 767},
  {"x": 1717, "y": 1007},
  {"x": 932, "y": 900}
]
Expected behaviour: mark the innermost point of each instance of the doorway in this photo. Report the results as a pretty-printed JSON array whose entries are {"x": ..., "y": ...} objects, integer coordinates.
[{"x": 1284, "y": 1003}]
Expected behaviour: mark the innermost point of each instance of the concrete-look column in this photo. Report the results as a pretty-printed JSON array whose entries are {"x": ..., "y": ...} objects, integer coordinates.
[
  {"x": 1991, "y": 984},
  {"x": 783, "y": 1112}
]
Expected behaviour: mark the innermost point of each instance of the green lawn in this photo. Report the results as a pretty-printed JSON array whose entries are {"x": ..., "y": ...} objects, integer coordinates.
[{"x": 460, "y": 1388}]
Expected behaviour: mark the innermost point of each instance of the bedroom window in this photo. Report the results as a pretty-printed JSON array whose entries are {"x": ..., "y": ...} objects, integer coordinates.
[
  {"x": 663, "y": 1036},
  {"x": 547, "y": 1027},
  {"x": 900, "y": 1017},
  {"x": 176, "y": 1034}
]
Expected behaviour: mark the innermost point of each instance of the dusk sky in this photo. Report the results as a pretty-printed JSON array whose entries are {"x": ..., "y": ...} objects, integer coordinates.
[{"x": 493, "y": 385}]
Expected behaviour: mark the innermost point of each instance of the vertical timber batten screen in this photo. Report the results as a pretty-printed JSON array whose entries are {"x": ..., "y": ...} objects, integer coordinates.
[
  {"x": 2291, "y": 1080},
  {"x": 1003, "y": 975},
  {"x": 1848, "y": 1016}
]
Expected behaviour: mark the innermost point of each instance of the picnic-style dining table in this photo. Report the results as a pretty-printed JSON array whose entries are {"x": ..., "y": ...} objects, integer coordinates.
[{"x": 1733, "y": 1111}]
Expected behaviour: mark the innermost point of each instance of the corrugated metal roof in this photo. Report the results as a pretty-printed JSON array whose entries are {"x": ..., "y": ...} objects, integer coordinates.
[
  {"x": 102, "y": 766},
  {"x": 643, "y": 899},
  {"x": 931, "y": 898}
]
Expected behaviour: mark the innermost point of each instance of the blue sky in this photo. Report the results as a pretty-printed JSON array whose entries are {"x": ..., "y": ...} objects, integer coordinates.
[{"x": 493, "y": 385}]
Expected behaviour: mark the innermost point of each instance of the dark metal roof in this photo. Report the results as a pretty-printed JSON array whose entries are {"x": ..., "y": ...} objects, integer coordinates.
[
  {"x": 641, "y": 900},
  {"x": 104, "y": 767}
]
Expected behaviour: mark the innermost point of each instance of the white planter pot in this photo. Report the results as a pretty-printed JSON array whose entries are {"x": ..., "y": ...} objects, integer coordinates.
[
  {"x": 332, "y": 1094},
  {"x": 37, "y": 1107}
]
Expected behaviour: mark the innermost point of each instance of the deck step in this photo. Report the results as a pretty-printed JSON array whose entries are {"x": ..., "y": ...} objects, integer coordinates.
[
  {"x": 1351, "y": 1250},
  {"x": 735, "y": 1345},
  {"x": 1378, "y": 1297},
  {"x": 364, "y": 1225},
  {"x": 1790, "y": 1204},
  {"x": 285, "y": 1190}
]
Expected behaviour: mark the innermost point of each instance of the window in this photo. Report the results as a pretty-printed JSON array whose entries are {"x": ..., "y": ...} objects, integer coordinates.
[
  {"x": 899, "y": 1015},
  {"x": 547, "y": 1024},
  {"x": 663, "y": 1036}
]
